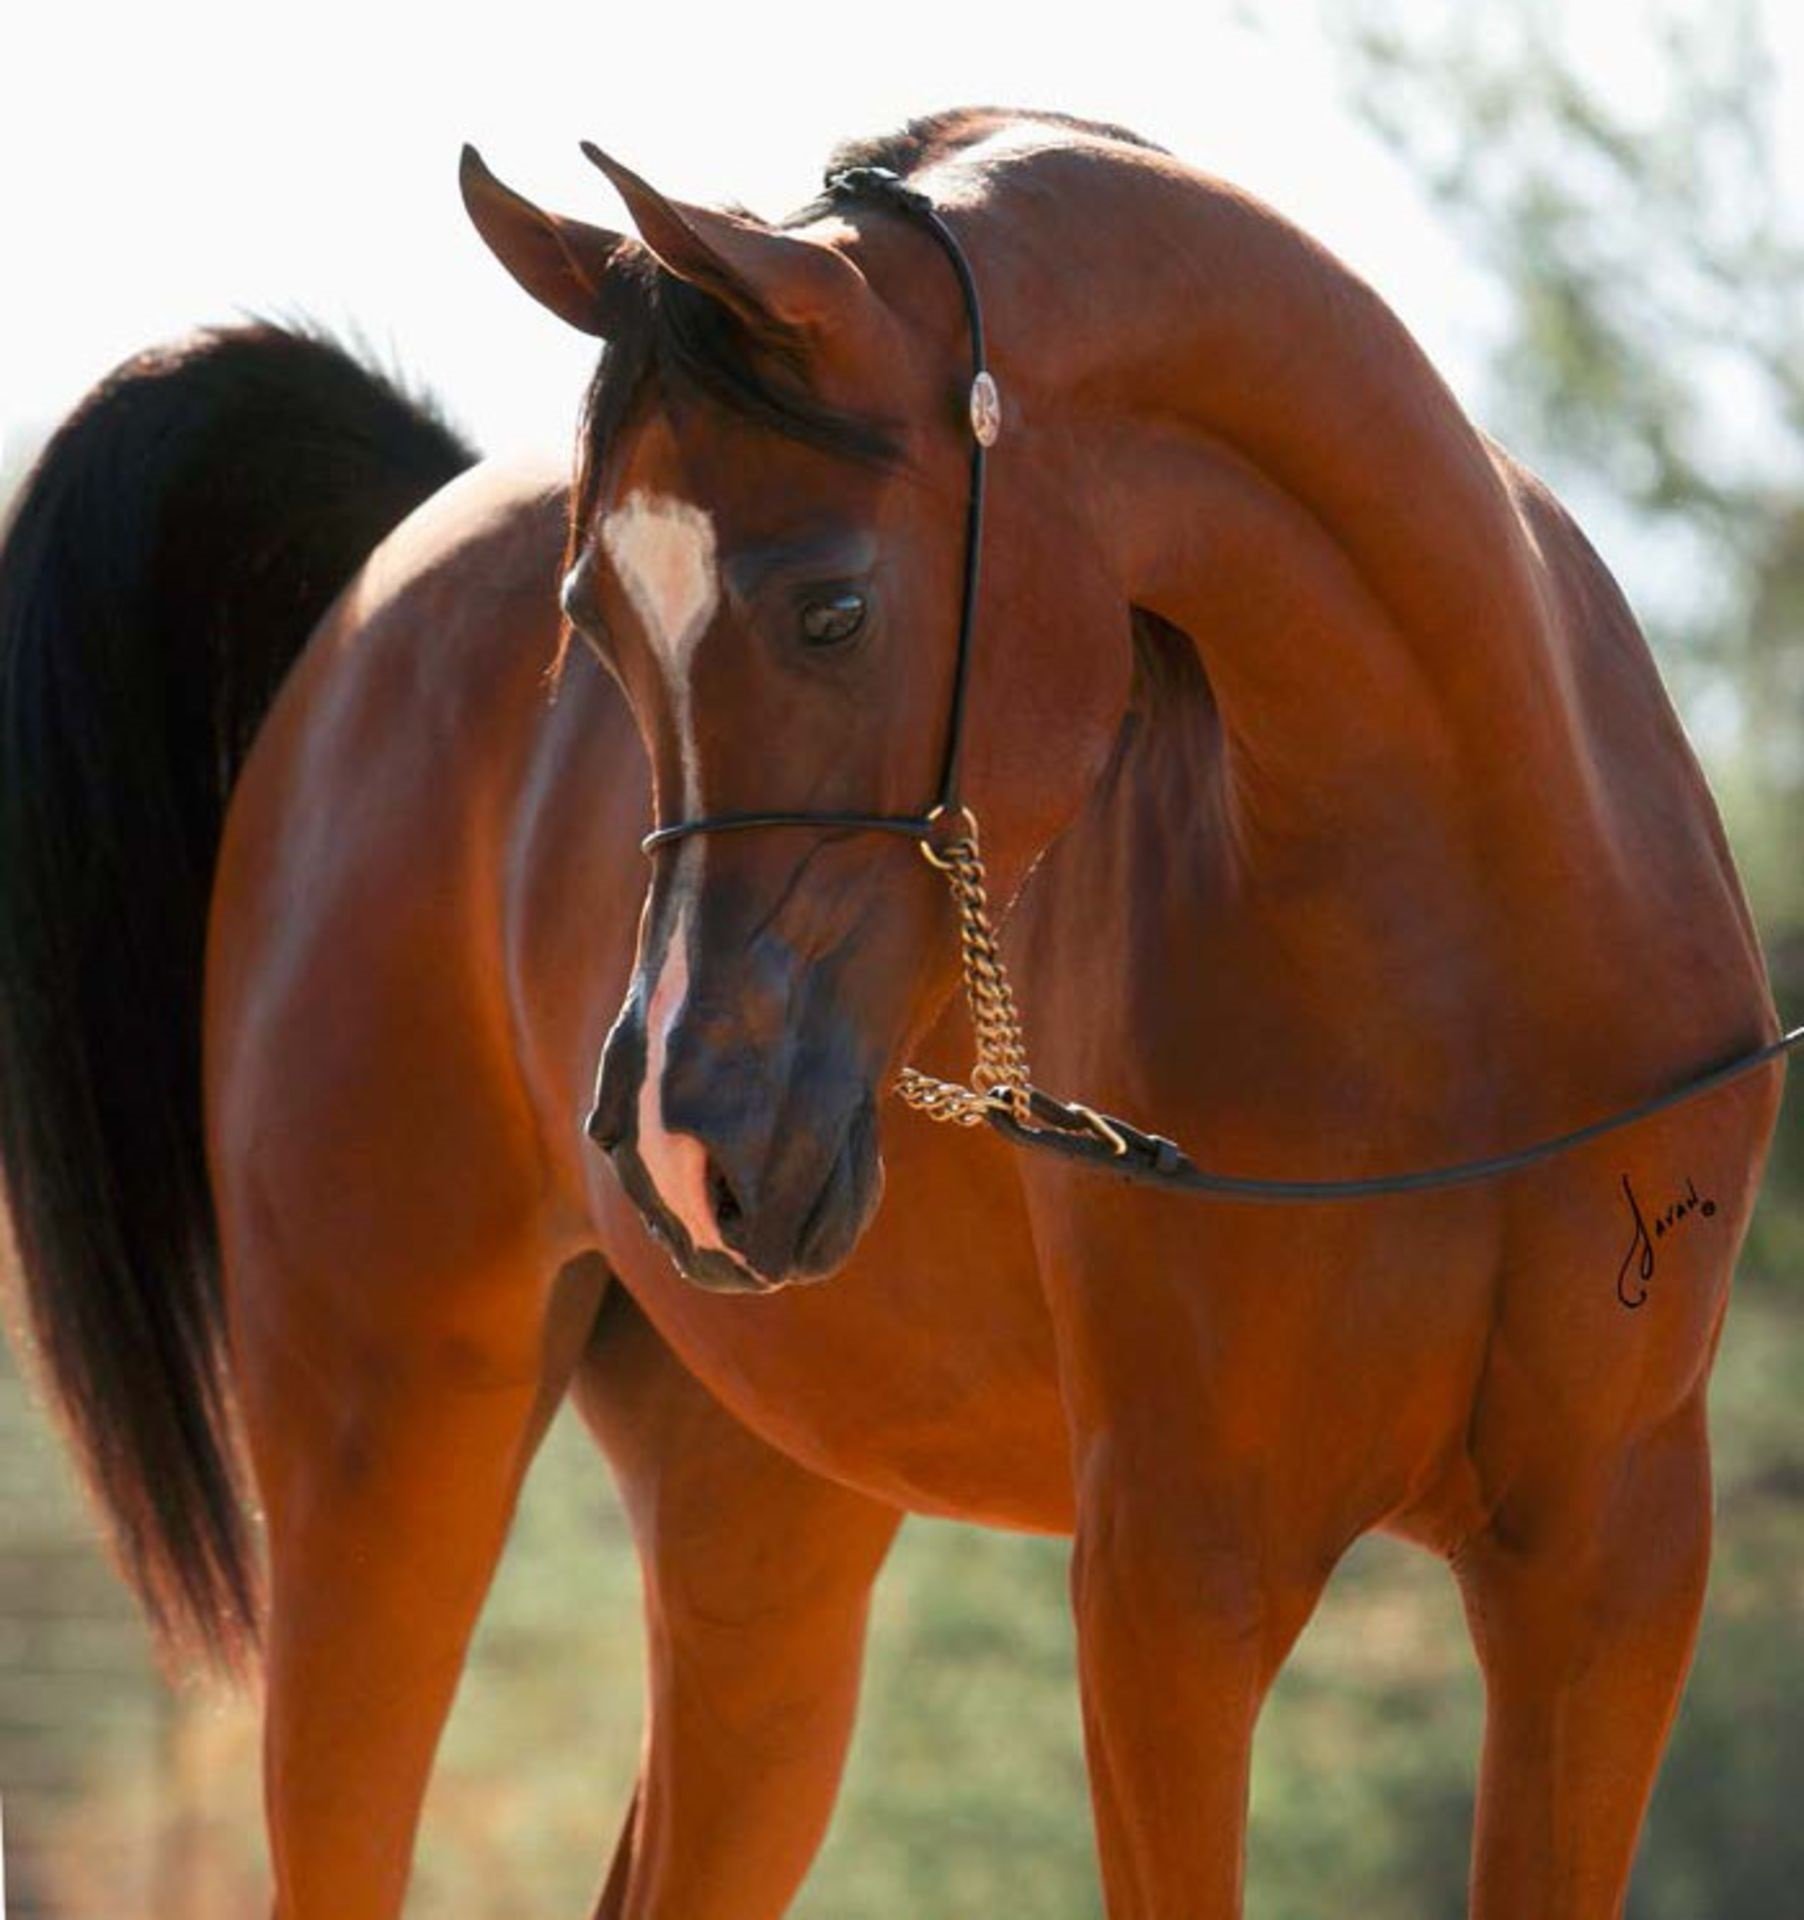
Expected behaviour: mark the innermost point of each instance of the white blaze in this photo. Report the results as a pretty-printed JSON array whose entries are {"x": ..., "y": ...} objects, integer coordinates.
[
  {"x": 677, "y": 1163},
  {"x": 664, "y": 553}
]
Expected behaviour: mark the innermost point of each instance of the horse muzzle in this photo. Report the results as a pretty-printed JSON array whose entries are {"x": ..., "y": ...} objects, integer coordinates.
[{"x": 747, "y": 1140}]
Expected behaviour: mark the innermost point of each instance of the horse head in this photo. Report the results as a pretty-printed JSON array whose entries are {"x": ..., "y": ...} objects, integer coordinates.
[{"x": 767, "y": 549}]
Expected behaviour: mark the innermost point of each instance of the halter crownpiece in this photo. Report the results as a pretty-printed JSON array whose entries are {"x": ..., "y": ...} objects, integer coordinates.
[{"x": 881, "y": 184}]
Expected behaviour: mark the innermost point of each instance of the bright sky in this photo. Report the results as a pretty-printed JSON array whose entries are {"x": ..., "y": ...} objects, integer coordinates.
[
  {"x": 172, "y": 162},
  {"x": 169, "y": 164}
]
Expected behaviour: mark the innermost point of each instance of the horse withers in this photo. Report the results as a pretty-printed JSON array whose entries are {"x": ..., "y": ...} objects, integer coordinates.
[{"x": 1336, "y": 820}]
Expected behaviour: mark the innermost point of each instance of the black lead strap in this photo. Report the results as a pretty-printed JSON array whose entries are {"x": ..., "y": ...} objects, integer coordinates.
[{"x": 1149, "y": 1158}]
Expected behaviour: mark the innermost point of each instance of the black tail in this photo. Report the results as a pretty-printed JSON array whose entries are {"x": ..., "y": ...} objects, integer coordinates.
[{"x": 171, "y": 552}]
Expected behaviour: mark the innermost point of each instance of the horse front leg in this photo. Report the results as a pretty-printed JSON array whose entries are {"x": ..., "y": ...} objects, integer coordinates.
[
  {"x": 390, "y": 1424},
  {"x": 1584, "y": 1595},
  {"x": 758, "y": 1577},
  {"x": 1191, "y": 1579},
  {"x": 1184, "y": 1614}
]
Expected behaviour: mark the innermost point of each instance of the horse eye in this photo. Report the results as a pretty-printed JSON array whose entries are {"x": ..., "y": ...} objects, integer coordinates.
[{"x": 834, "y": 620}]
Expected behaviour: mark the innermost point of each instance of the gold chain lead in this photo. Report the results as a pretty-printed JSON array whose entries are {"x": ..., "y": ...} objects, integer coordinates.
[{"x": 1001, "y": 1077}]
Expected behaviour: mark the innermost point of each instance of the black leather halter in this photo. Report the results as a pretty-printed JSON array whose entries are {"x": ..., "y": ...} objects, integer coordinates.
[
  {"x": 881, "y": 187},
  {"x": 1061, "y": 1127}
]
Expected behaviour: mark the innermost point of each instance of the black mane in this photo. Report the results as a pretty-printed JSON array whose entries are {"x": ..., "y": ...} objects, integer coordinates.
[
  {"x": 934, "y": 135},
  {"x": 680, "y": 343}
]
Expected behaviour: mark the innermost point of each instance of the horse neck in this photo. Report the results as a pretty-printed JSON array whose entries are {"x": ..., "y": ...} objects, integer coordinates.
[
  {"x": 1379, "y": 715},
  {"x": 1282, "y": 476}
]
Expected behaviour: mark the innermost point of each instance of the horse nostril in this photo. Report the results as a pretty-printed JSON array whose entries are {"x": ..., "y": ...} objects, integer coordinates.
[{"x": 728, "y": 1213}]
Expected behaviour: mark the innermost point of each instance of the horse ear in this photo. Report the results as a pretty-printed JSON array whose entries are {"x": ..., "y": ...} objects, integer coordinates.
[
  {"x": 762, "y": 274},
  {"x": 564, "y": 264}
]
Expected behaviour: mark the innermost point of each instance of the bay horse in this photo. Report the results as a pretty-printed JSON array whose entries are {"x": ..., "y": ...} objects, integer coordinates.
[{"x": 1336, "y": 820}]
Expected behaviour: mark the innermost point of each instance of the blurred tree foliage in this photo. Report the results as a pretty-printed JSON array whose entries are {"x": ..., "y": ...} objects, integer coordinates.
[{"x": 1650, "y": 349}]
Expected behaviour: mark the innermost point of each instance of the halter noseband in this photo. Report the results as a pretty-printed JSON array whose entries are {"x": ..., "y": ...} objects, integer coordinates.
[{"x": 880, "y": 187}]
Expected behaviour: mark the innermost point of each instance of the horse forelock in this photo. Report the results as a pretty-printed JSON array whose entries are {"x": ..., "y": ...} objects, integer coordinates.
[{"x": 672, "y": 344}]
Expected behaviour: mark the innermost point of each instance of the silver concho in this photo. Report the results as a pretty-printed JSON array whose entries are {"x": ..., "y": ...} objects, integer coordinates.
[{"x": 986, "y": 410}]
